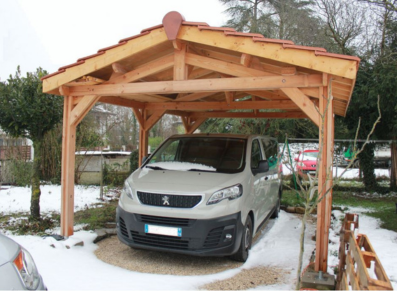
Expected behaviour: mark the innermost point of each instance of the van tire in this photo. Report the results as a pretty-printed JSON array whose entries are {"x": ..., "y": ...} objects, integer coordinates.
[
  {"x": 246, "y": 242},
  {"x": 276, "y": 209}
]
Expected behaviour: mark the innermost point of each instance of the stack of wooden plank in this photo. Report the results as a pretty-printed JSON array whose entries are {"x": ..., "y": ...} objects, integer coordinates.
[{"x": 359, "y": 266}]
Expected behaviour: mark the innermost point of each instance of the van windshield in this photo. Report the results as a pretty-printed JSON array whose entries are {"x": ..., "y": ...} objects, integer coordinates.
[{"x": 220, "y": 154}]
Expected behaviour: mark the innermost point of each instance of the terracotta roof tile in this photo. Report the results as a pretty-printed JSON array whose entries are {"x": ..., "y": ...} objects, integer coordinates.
[
  {"x": 272, "y": 40},
  {"x": 135, "y": 36},
  {"x": 345, "y": 57},
  {"x": 71, "y": 65},
  {"x": 256, "y": 37},
  {"x": 200, "y": 27},
  {"x": 53, "y": 74},
  {"x": 307, "y": 48},
  {"x": 91, "y": 56},
  {"x": 112, "y": 46},
  {"x": 194, "y": 23},
  {"x": 245, "y": 34},
  {"x": 151, "y": 28}
]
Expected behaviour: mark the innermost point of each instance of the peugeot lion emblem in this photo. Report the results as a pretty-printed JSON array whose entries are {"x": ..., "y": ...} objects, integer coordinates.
[{"x": 166, "y": 200}]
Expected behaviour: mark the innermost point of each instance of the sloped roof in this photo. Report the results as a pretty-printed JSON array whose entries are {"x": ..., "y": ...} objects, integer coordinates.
[{"x": 209, "y": 53}]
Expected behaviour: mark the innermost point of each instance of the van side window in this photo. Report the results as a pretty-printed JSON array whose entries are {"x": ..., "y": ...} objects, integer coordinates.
[
  {"x": 271, "y": 151},
  {"x": 256, "y": 154}
]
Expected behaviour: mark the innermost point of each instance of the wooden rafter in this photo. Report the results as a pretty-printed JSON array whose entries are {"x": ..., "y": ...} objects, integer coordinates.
[
  {"x": 112, "y": 56},
  {"x": 206, "y": 85},
  {"x": 278, "y": 104},
  {"x": 272, "y": 115},
  {"x": 296, "y": 57}
]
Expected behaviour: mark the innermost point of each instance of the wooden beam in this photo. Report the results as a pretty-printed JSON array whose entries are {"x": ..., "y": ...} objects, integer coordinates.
[
  {"x": 139, "y": 116},
  {"x": 273, "y": 51},
  {"x": 206, "y": 85},
  {"x": 223, "y": 67},
  {"x": 67, "y": 171},
  {"x": 304, "y": 103},
  {"x": 246, "y": 60},
  {"x": 324, "y": 180},
  {"x": 82, "y": 108},
  {"x": 152, "y": 120},
  {"x": 268, "y": 95},
  {"x": 194, "y": 96},
  {"x": 143, "y": 144},
  {"x": 180, "y": 67},
  {"x": 279, "y": 104},
  {"x": 148, "y": 69},
  {"x": 119, "y": 68},
  {"x": 115, "y": 100},
  {"x": 229, "y": 96},
  {"x": 195, "y": 124},
  {"x": 85, "y": 80},
  {"x": 132, "y": 47},
  {"x": 271, "y": 115}
]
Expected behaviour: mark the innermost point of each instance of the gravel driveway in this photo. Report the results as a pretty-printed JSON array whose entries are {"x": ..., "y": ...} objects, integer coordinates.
[{"x": 113, "y": 252}]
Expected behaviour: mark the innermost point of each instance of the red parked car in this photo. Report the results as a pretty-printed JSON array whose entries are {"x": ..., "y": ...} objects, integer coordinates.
[{"x": 306, "y": 162}]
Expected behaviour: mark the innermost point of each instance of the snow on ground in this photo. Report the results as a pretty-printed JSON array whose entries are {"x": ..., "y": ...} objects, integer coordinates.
[
  {"x": 78, "y": 267},
  {"x": 384, "y": 241},
  {"x": 343, "y": 173},
  {"x": 17, "y": 199}
]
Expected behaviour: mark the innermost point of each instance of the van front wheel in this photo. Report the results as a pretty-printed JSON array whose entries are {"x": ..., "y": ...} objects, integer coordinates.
[{"x": 246, "y": 242}]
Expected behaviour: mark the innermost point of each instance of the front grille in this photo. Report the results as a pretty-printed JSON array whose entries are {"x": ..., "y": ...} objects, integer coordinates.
[
  {"x": 123, "y": 228},
  {"x": 160, "y": 241},
  {"x": 213, "y": 237},
  {"x": 165, "y": 200},
  {"x": 159, "y": 220}
]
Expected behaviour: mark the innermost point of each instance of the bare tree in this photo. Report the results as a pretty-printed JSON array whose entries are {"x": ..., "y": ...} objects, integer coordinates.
[{"x": 346, "y": 24}]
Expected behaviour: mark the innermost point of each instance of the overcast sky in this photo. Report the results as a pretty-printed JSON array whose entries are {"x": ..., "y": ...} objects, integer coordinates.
[{"x": 54, "y": 33}]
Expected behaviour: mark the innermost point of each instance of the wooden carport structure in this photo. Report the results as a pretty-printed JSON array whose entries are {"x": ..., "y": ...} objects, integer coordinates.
[{"x": 196, "y": 71}]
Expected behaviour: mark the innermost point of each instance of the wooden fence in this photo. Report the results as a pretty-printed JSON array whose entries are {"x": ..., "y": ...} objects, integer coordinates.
[{"x": 359, "y": 266}]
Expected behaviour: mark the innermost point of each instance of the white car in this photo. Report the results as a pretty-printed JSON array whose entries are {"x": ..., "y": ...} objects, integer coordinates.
[
  {"x": 202, "y": 194},
  {"x": 17, "y": 268}
]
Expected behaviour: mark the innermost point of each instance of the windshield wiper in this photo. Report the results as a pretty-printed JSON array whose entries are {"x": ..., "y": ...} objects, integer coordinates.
[
  {"x": 155, "y": 167},
  {"x": 200, "y": 170}
]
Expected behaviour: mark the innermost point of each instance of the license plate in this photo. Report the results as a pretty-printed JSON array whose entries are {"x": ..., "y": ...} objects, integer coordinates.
[{"x": 163, "y": 230}]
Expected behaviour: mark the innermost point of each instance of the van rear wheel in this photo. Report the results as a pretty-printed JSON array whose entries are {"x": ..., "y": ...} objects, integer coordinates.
[{"x": 246, "y": 242}]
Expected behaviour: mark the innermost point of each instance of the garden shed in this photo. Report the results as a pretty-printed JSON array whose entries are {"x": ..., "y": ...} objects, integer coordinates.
[{"x": 197, "y": 71}]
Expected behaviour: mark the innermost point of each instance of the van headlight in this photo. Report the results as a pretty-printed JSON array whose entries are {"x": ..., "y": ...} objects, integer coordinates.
[
  {"x": 27, "y": 269},
  {"x": 230, "y": 193},
  {"x": 127, "y": 190}
]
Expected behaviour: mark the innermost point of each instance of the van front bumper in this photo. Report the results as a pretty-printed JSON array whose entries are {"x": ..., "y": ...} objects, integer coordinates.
[{"x": 200, "y": 237}]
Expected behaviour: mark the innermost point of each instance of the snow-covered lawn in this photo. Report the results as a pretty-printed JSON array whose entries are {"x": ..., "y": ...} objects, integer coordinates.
[{"x": 79, "y": 268}]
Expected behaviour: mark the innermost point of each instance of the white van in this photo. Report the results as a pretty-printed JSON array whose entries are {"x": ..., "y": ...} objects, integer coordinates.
[{"x": 202, "y": 194}]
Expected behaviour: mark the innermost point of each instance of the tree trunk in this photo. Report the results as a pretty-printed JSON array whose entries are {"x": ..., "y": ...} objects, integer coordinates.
[
  {"x": 367, "y": 166},
  {"x": 393, "y": 173},
  {"x": 35, "y": 198}
]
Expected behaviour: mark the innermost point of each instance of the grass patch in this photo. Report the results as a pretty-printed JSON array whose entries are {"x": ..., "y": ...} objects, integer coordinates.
[
  {"x": 97, "y": 216},
  {"x": 379, "y": 206},
  {"x": 19, "y": 223}
]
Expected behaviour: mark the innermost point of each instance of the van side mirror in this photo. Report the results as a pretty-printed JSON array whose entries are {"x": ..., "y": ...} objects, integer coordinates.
[{"x": 263, "y": 167}]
